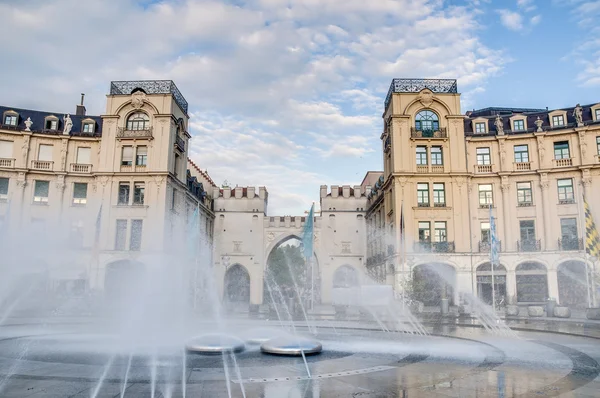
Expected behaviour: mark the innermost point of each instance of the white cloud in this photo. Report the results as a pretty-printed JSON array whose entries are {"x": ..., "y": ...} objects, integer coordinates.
[
  {"x": 511, "y": 20},
  {"x": 536, "y": 19},
  {"x": 526, "y": 5}
]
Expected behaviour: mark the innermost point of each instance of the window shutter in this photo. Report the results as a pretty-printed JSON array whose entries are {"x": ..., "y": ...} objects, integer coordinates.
[
  {"x": 45, "y": 153},
  {"x": 6, "y": 149},
  {"x": 84, "y": 155}
]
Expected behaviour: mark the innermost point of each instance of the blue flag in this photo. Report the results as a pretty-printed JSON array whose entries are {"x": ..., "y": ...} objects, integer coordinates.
[
  {"x": 307, "y": 233},
  {"x": 493, "y": 240}
]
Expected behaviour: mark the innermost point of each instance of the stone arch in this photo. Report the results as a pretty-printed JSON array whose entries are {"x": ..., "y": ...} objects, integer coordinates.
[
  {"x": 432, "y": 282},
  {"x": 237, "y": 285},
  {"x": 532, "y": 282},
  {"x": 411, "y": 110},
  {"x": 345, "y": 276},
  {"x": 484, "y": 282},
  {"x": 151, "y": 112},
  {"x": 572, "y": 284}
]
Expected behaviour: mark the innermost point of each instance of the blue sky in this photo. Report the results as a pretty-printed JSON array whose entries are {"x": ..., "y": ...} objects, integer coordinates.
[{"x": 289, "y": 93}]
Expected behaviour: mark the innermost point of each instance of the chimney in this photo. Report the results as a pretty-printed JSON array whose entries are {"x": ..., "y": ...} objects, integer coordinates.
[{"x": 80, "y": 109}]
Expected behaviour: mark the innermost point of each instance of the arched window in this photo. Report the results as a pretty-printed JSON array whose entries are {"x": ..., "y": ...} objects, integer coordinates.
[
  {"x": 427, "y": 122},
  {"x": 138, "y": 121}
]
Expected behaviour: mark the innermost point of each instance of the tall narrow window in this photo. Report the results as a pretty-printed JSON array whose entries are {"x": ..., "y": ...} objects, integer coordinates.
[
  {"x": 439, "y": 195},
  {"x": 141, "y": 156},
  {"x": 558, "y": 121},
  {"x": 3, "y": 189},
  {"x": 135, "y": 242},
  {"x": 423, "y": 195},
  {"x": 138, "y": 193},
  {"x": 527, "y": 231},
  {"x": 84, "y": 155},
  {"x": 524, "y": 194},
  {"x": 561, "y": 150},
  {"x": 483, "y": 156},
  {"x": 486, "y": 198},
  {"x": 421, "y": 155},
  {"x": 565, "y": 191},
  {"x": 440, "y": 234},
  {"x": 436, "y": 156},
  {"x": 598, "y": 115},
  {"x": 176, "y": 165},
  {"x": 127, "y": 156},
  {"x": 124, "y": 189},
  {"x": 40, "y": 192},
  {"x": 598, "y": 142},
  {"x": 521, "y": 154},
  {"x": 45, "y": 153},
  {"x": 80, "y": 193},
  {"x": 121, "y": 235},
  {"x": 424, "y": 231},
  {"x": 569, "y": 236},
  {"x": 6, "y": 150},
  {"x": 485, "y": 232}
]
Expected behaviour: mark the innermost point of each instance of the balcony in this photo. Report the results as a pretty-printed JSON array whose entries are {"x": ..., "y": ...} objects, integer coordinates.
[
  {"x": 7, "y": 163},
  {"x": 81, "y": 168},
  {"x": 124, "y": 134},
  {"x": 568, "y": 201},
  {"x": 179, "y": 143},
  {"x": 128, "y": 168},
  {"x": 439, "y": 204},
  {"x": 562, "y": 162},
  {"x": 522, "y": 166},
  {"x": 483, "y": 168},
  {"x": 568, "y": 244},
  {"x": 422, "y": 168},
  {"x": 41, "y": 164},
  {"x": 525, "y": 204},
  {"x": 434, "y": 247},
  {"x": 530, "y": 245},
  {"x": 428, "y": 133},
  {"x": 485, "y": 246},
  {"x": 437, "y": 168}
]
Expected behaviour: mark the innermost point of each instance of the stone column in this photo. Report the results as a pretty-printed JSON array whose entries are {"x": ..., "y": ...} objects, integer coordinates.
[
  {"x": 553, "y": 285},
  {"x": 506, "y": 209},
  {"x": 511, "y": 286},
  {"x": 545, "y": 185}
]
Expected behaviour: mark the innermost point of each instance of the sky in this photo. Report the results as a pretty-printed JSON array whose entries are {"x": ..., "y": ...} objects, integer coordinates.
[{"x": 288, "y": 94}]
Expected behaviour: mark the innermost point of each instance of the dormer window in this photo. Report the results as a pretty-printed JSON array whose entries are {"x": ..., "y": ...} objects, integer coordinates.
[
  {"x": 519, "y": 125},
  {"x": 138, "y": 121},
  {"x": 51, "y": 123},
  {"x": 480, "y": 128},
  {"x": 88, "y": 126},
  {"x": 11, "y": 118},
  {"x": 558, "y": 120}
]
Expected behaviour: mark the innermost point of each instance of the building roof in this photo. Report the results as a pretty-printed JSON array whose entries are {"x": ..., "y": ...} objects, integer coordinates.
[
  {"x": 202, "y": 173},
  {"x": 495, "y": 110},
  {"x": 38, "y": 119},
  {"x": 150, "y": 87},
  {"x": 439, "y": 86}
]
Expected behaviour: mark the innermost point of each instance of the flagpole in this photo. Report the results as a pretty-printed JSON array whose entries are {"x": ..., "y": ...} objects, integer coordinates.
[
  {"x": 585, "y": 252},
  {"x": 492, "y": 259},
  {"x": 403, "y": 253}
]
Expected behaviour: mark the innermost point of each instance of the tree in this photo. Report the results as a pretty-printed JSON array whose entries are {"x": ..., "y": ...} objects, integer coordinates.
[{"x": 287, "y": 274}]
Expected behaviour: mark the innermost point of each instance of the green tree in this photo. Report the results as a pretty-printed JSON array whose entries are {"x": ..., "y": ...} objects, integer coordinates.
[{"x": 288, "y": 273}]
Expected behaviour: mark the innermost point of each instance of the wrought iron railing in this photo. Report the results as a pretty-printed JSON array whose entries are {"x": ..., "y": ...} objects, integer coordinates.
[
  {"x": 428, "y": 133},
  {"x": 485, "y": 246},
  {"x": 529, "y": 245},
  {"x": 570, "y": 244},
  {"x": 566, "y": 201},
  {"x": 416, "y": 85},
  {"x": 150, "y": 87},
  {"x": 123, "y": 133},
  {"x": 434, "y": 247},
  {"x": 180, "y": 143}
]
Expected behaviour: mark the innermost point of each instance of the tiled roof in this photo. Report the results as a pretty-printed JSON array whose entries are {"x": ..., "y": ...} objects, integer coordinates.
[
  {"x": 202, "y": 173},
  {"x": 38, "y": 119}
]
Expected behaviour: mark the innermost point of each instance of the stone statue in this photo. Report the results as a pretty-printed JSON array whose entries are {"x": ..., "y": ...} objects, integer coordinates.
[
  {"x": 578, "y": 115},
  {"x": 538, "y": 123},
  {"x": 68, "y": 124},
  {"x": 28, "y": 124},
  {"x": 499, "y": 125}
]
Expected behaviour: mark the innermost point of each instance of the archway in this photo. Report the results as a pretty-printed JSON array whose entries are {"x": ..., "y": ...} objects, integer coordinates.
[
  {"x": 345, "y": 277},
  {"x": 237, "y": 286},
  {"x": 532, "y": 282},
  {"x": 432, "y": 282},
  {"x": 484, "y": 283},
  {"x": 572, "y": 284}
]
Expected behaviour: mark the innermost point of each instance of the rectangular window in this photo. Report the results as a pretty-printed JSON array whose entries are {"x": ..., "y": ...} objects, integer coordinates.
[
  {"x": 121, "y": 235},
  {"x": 52, "y": 125},
  {"x": 6, "y": 149},
  {"x": 561, "y": 150},
  {"x": 40, "y": 192},
  {"x": 84, "y": 155},
  {"x": 174, "y": 199},
  {"x": 483, "y": 156},
  {"x": 127, "y": 156},
  {"x": 521, "y": 153},
  {"x": 527, "y": 230},
  {"x": 135, "y": 242},
  {"x": 424, "y": 231},
  {"x": 10, "y": 120},
  {"x": 524, "y": 194},
  {"x": 598, "y": 145},
  {"x": 176, "y": 165},
  {"x": 565, "y": 191},
  {"x": 558, "y": 121},
  {"x": 142, "y": 156},
  {"x": 519, "y": 125},
  {"x": 80, "y": 193},
  {"x": 480, "y": 128},
  {"x": 3, "y": 189},
  {"x": 124, "y": 189},
  {"x": 88, "y": 128},
  {"x": 436, "y": 156},
  {"x": 485, "y": 195},
  {"x": 569, "y": 235},
  {"x": 421, "y": 155},
  {"x": 439, "y": 195},
  {"x": 45, "y": 152},
  {"x": 138, "y": 193},
  {"x": 440, "y": 234},
  {"x": 598, "y": 115},
  {"x": 485, "y": 232},
  {"x": 423, "y": 195}
]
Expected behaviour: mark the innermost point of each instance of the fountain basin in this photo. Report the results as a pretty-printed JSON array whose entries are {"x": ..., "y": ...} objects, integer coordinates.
[
  {"x": 291, "y": 346},
  {"x": 214, "y": 343}
]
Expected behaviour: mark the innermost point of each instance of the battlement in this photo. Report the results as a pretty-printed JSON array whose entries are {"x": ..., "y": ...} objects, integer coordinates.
[
  {"x": 241, "y": 193},
  {"x": 344, "y": 191}
]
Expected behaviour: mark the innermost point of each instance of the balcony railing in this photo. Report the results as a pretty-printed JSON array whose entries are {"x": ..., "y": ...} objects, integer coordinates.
[
  {"x": 423, "y": 204},
  {"x": 81, "y": 168},
  {"x": 568, "y": 201},
  {"x": 485, "y": 247},
  {"x": 483, "y": 168},
  {"x": 437, "y": 168},
  {"x": 570, "y": 244},
  {"x": 439, "y": 204},
  {"x": 123, "y": 133},
  {"x": 422, "y": 168},
  {"x": 8, "y": 163},
  {"x": 531, "y": 245},
  {"x": 428, "y": 133},
  {"x": 563, "y": 162},
  {"x": 434, "y": 247},
  {"x": 524, "y": 204},
  {"x": 522, "y": 166},
  {"x": 41, "y": 164},
  {"x": 180, "y": 143}
]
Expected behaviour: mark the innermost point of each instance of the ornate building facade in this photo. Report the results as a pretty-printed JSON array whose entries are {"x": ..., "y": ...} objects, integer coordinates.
[{"x": 446, "y": 172}]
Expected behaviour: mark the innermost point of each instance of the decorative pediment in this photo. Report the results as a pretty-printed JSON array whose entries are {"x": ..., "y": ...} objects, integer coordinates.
[
  {"x": 137, "y": 99},
  {"x": 426, "y": 97}
]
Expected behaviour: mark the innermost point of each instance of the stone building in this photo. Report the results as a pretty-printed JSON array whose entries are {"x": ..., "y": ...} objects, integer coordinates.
[{"x": 444, "y": 170}]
